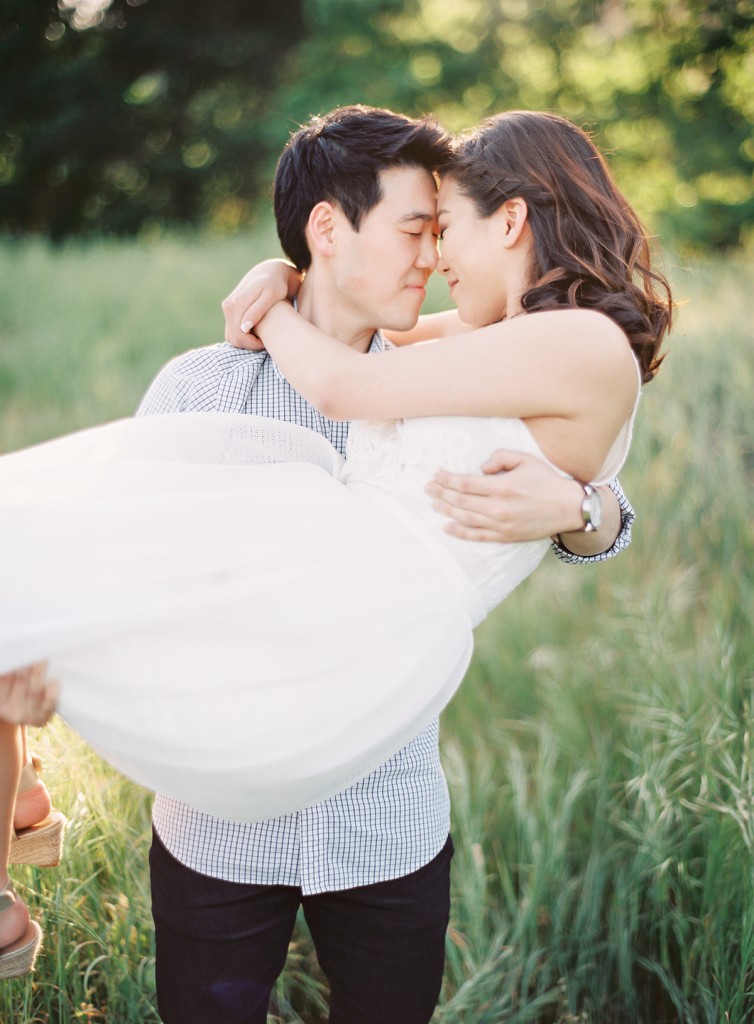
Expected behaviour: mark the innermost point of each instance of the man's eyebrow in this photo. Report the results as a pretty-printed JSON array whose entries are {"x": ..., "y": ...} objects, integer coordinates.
[{"x": 421, "y": 215}]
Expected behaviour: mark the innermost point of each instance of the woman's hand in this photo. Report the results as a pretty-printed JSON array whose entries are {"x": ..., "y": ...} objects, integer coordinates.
[
  {"x": 28, "y": 696},
  {"x": 254, "y": 295}
]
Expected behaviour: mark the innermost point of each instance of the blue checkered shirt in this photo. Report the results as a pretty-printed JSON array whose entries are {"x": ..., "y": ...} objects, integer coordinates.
[{"x": 390, "y": 823}]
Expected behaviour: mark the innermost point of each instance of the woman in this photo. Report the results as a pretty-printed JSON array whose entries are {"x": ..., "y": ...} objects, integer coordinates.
[{"x": 538, "y": 245}]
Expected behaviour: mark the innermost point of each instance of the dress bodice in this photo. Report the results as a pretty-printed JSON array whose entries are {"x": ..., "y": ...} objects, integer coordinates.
[{"x": 398, "y": 457}]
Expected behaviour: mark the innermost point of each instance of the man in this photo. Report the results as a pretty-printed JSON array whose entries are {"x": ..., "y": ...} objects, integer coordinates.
[{"x": 355, "y": 208}]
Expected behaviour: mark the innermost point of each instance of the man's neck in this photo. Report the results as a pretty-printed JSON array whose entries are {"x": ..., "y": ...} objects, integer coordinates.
[{"x": 321, "y": 304}]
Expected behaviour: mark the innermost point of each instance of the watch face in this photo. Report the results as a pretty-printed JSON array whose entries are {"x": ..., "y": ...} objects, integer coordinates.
[
  {"x": 594, "y": 507},
  {"x": 591, "y": 508}
]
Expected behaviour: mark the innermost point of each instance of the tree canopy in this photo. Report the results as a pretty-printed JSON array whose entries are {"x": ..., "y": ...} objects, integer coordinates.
[
  {"x": 117, "y": 115},
  {"x": 151, "y": 110}
]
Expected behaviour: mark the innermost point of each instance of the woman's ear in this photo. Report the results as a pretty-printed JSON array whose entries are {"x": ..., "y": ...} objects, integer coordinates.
[
  {"x": 515, "y": 215},
  {"x": 320, "y": 227}
]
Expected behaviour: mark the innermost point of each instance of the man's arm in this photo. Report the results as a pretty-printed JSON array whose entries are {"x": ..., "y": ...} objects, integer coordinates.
[{"x": 518, "y": 497}]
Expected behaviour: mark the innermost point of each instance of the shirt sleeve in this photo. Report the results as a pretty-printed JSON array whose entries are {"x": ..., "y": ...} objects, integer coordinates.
[
  {"x": 218, "y": 378},
  {"x": 621, "y": 542}
]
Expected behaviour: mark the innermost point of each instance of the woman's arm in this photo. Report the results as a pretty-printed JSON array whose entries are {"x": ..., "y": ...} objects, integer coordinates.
[
  {"x": 571, "y": 364},
  {"x": 429, "y": 327},
  {"x": 274, "y": 280}
]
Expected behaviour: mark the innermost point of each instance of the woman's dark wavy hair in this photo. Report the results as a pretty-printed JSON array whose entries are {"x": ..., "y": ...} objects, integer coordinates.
[{"x": 590, "y": 248}]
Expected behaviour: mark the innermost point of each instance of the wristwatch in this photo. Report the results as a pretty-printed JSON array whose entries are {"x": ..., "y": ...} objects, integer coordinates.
[{"x": 591, "y": 508}]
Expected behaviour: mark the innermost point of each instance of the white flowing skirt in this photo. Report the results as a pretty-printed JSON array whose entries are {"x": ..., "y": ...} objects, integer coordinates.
[{"x": 247, "y": 638}]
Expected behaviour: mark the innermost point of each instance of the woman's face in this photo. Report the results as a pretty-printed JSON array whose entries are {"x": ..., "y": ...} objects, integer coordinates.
[{"x": 474, "y": 259}]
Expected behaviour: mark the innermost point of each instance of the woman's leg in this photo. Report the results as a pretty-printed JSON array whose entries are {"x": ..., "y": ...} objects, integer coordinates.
[
  {"x": 33, "y": 802},
  {"x": 36, "y": 836},
  {"x": 20, "y": 937},
  {"x": 11, "y": 753},
  {"x": 14, "y": 917}
]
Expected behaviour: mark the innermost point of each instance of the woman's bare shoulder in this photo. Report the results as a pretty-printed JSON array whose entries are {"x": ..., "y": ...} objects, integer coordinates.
[{"x": 573, "y": 334}]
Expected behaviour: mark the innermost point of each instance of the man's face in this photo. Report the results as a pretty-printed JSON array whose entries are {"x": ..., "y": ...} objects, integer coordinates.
[{"x": 381, "y": 270}]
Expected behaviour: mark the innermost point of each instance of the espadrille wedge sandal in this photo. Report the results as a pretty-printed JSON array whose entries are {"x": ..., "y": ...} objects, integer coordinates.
[
  {"x": 17, "y": 957},
  {"x": 40, "y": 843}
]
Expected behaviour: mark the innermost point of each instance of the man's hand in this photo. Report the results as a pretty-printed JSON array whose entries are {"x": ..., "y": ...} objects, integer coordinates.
[
  {"x": 518, "y": 497},
  {"x": 28, "y": 696},
  {"x": 254, "y": 295}
]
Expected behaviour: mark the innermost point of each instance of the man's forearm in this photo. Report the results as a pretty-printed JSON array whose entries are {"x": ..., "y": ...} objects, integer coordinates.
[{"x": 519, "y": 498}]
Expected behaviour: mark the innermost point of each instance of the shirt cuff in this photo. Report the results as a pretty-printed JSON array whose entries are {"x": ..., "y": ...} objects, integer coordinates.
[{"x": 621, "y": 542}]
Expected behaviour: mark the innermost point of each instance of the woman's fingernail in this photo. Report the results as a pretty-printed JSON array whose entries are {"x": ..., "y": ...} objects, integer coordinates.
[{"x": 246, "y": 326}]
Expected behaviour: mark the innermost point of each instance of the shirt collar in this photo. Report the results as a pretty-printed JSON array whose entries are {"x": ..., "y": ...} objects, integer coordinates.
[{"x": 377, "y": 344}]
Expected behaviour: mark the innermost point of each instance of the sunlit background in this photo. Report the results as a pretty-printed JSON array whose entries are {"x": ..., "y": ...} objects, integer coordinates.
[
  {"x": 127, "y": 115},
  {"x": 600, "y": 753}
]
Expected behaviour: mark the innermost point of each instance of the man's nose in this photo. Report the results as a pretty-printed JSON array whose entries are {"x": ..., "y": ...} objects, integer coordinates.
[{"x": 428, "y": 254}]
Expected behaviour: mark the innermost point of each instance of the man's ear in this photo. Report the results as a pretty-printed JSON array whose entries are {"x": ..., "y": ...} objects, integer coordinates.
[
  {"x": 320, "y": 227},
  {"x": 514, "y": 214}
]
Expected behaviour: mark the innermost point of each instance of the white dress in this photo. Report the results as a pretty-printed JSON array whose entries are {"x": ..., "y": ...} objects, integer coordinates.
[{"x": 246, "y": 637}]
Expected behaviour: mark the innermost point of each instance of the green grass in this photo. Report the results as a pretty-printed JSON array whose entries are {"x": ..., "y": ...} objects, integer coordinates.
[{"x": 599, "y": 755}]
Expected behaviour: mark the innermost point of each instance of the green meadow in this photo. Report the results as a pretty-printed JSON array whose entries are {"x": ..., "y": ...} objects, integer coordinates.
[{"x": 600, "y": 752}]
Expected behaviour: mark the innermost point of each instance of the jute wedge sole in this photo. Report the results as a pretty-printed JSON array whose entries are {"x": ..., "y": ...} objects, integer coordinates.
[
  {"x": 17, "y": 958},
  {"x": 39, "y": 844}
]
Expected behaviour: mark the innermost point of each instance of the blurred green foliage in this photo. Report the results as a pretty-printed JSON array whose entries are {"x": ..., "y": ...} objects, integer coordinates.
[
  {"x": 123, "y": 115},
  {"x": 120, "y": 114}
]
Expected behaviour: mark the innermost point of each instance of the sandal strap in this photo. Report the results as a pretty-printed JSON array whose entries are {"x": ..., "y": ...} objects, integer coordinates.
[{"x": 29, "y": 775}]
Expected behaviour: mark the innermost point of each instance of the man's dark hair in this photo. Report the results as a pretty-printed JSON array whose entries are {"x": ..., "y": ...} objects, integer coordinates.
[{"x": 338, "y": 158}]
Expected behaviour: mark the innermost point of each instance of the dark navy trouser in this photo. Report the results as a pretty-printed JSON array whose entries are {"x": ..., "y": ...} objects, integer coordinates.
[{"x": 221, "y": 945}]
